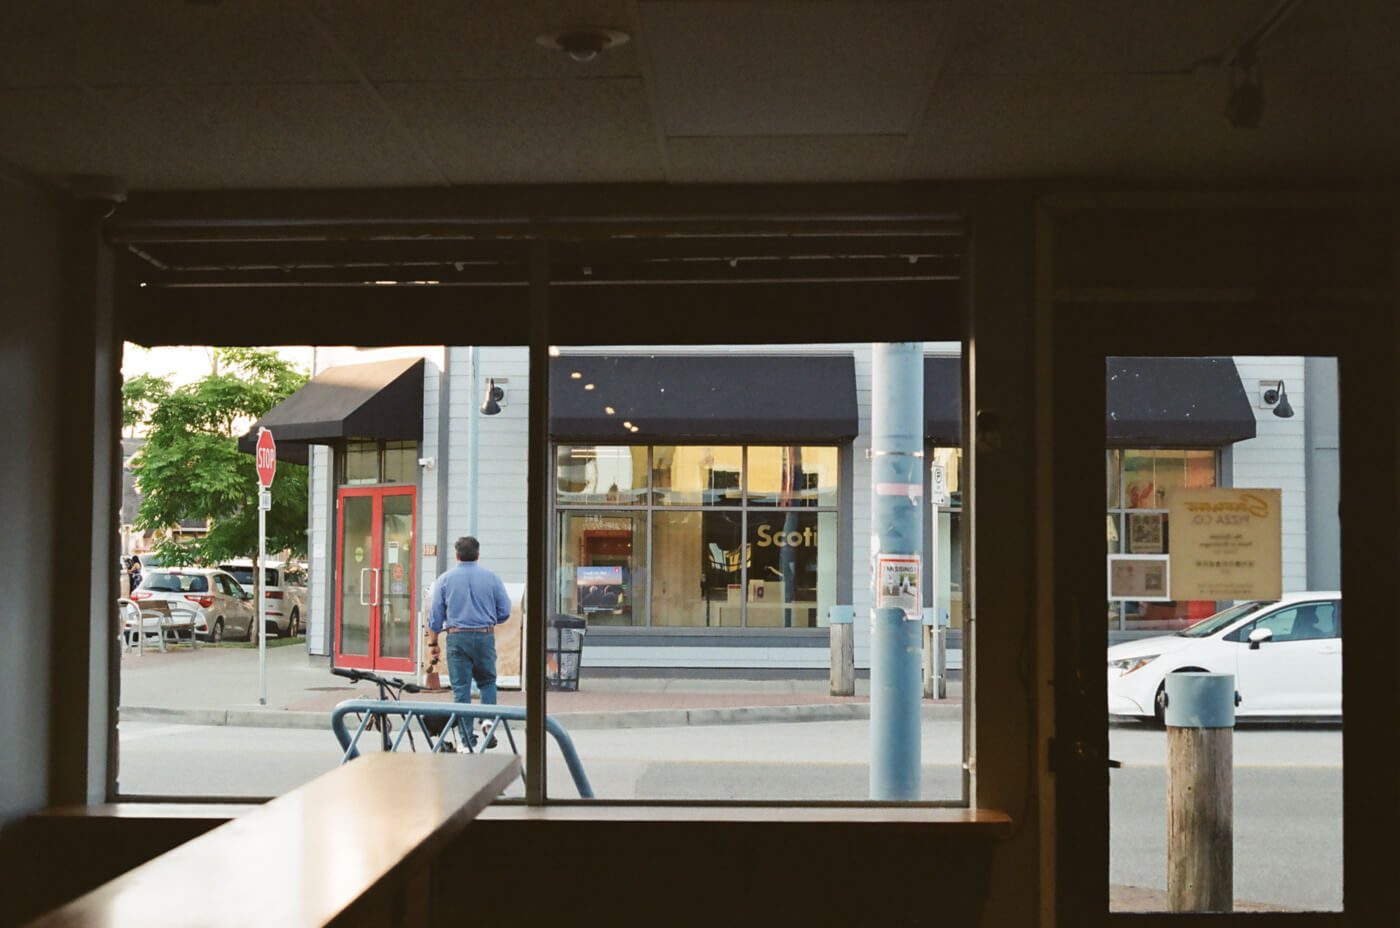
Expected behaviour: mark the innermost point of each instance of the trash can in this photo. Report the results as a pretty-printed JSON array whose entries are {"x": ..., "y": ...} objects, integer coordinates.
[{"x": 563, "y": 646}]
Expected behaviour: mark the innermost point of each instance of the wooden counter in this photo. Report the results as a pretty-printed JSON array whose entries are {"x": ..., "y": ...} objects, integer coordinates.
[{"x": 350, "y": 847}]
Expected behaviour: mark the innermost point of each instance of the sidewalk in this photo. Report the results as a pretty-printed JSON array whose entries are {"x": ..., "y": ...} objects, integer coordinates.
[{"x": 220, "y": 686}]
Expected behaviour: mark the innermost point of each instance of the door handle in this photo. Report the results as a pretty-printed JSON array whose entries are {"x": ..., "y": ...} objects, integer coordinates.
[
  {"x": 363, "y": 570},
  {"x": 375, "y": 600}
]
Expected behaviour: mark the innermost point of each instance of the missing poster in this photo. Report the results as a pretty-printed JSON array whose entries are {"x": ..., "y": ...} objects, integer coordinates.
[{"x": 897, "y": 584}]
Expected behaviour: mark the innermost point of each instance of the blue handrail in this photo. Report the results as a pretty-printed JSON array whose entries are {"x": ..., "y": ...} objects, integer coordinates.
[{"x": 450, "y": 713}]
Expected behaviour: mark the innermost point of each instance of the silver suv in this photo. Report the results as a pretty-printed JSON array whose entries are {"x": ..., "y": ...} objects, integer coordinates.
[
  {"x": 284, "y": 594},
  {"x": 223, "y": 609}
]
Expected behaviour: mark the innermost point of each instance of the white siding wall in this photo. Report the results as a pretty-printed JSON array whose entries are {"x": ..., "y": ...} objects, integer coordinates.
[
  {"x": 503, "y": 444},
  {"x": 320, "y": 553},
  {"x": 1276, "y": 456}
]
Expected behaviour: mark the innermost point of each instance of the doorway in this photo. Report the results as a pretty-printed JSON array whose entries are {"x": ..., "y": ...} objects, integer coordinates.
[{"x": 375, "y": 578}]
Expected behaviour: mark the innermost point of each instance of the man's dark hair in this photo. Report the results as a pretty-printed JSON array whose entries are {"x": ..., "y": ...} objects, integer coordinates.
[{"x": 468, "y": 548}]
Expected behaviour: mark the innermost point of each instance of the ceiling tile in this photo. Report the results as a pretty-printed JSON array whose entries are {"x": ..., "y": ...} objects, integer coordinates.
[
  {"x": 1150, "y": 126},
  {"x": 772, "y": 68},
  {"x": 796, "y": 159},
  {"x": 533, "y": 131},
  {"x": 171, "y": 138},
  {"x": 451, "y": 40}
]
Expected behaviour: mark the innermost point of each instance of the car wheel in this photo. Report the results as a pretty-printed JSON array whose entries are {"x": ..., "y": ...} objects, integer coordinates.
[
  {"x": 294, "y": 624},
  {"x": 217, "y": 634}
]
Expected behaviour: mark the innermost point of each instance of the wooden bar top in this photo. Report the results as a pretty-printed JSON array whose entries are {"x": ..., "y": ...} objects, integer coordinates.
[{"x": 304, "y": 858}]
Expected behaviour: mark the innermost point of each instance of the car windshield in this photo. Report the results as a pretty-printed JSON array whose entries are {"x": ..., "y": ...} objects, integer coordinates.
[
  {"x": 1221, "y": 619},
  {"x": 243, "y": 573},
  {"x": 162, "y": 581}
]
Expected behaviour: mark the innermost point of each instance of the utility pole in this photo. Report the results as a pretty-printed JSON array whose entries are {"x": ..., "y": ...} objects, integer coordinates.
[{"x": 896, "y": 484}]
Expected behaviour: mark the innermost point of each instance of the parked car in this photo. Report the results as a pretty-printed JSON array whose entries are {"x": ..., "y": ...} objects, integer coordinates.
[
  {"x": 224, "y": 608},
  {"x": 284, "y": 594},
  {"x": 1286, "y": 657}
]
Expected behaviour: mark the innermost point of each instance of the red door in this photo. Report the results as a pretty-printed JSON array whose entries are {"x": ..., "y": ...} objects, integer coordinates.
[{"x": 375, "y": 579}]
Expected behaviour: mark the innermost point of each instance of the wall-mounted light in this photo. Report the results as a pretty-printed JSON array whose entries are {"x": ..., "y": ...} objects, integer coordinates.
[
  {"x": 1275, "y": 397},
  {"x": 495, "y": 396},
  {"x": 584, "y": 43}
]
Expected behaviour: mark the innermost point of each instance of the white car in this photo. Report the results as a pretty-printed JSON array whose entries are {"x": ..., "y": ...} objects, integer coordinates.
[
  {"x": 223, "y": 609},
  {"x": 284, "y": 593},
  {"x": 1286, "y": 658}
]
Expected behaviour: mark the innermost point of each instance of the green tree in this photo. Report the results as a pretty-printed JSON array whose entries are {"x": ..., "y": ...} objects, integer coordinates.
[{"x": 190, "y": 466}]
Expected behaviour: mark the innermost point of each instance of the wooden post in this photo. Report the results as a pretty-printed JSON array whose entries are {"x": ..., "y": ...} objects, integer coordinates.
[
  {"x": 1200, "y": 792},
  {"x": 843, "y": 651}
]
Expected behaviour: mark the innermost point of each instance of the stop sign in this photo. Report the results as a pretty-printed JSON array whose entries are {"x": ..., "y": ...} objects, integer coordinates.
[{"x": 267, "y": 457}]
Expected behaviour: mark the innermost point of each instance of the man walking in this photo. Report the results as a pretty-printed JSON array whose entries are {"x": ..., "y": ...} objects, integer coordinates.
[{"x": 468, "y": 602}]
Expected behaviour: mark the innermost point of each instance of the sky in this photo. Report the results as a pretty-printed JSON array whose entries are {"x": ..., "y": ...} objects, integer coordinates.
[{"x": 186, "y": 364}]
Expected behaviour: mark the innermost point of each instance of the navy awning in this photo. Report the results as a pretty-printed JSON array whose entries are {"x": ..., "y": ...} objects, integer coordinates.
[
  {"x": 380, "y": 400},
  {"x": 943, "y": 401},
  {"x": 1187, "y": 402},
  {"x": 1176, "y": 401},
  {"x": 735, "y": 397}
]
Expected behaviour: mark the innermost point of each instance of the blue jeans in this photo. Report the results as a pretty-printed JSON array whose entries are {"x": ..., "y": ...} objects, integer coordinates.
[{"x": 472, "y": 656}]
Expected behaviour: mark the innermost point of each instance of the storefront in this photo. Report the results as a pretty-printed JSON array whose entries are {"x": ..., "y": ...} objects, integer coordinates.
[{"x": 706, "y": 508}]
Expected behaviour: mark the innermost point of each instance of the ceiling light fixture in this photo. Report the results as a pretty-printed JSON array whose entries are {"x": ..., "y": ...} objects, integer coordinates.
[{"x": 584, "y": 43}]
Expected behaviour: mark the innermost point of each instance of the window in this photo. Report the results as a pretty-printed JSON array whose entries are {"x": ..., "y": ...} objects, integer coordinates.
[
  {"x": 1138, "y": 533},
  {"x": 369, "y": 462},
  {"x": 718, "y": 537}
]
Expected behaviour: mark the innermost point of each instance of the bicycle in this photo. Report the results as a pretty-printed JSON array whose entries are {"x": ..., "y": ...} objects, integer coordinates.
[
  {"x": 393, "y": 688},
  {"x": 390, "y": 688}
]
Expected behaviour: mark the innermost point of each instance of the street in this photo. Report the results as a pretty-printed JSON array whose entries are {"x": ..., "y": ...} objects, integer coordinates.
[{"x": 1288, "y": 789}]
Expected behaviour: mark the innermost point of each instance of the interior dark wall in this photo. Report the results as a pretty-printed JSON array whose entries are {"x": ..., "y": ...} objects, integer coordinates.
[{"x": 31, "y": 359}]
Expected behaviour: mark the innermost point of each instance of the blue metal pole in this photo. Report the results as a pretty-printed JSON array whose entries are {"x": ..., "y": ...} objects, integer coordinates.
[{"x": 896, "y": 479}]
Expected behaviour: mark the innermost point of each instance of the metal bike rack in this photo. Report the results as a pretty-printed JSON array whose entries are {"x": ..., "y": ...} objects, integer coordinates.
[{"x": 455, "y": 716}]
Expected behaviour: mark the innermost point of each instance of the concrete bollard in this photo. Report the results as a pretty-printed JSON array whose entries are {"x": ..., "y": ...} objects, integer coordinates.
[
  {"x": 935, "y": 655},
  {"x": 843, "y": 650},
  {"x": 1200, "y": 718}
]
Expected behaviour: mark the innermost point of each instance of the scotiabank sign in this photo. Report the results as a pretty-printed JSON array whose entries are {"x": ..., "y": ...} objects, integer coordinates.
[
  {"x": 1225, "y": 543},
  {"x": 767, "y": 536}
]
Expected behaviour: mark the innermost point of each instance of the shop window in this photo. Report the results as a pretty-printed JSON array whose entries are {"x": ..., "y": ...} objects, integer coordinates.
[
  {"x": 697, "y": 475},
  {"x": 721, "y": 555},
  {"x": 613, "y": 475},
  {"x": 371, "y": 462},
  {"x": 601, "y": 569},
  {"x": 1138, "y": 534},
  {"x": 792, "y": 476}
]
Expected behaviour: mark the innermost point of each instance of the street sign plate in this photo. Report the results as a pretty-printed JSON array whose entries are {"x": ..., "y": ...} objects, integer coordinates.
[{"x": 267, "y": 457}]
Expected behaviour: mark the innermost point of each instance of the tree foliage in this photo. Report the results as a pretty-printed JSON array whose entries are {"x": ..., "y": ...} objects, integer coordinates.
[{"x": 190, "y": 466}]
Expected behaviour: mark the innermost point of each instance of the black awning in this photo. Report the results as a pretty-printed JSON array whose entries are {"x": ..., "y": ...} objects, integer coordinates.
[
  {"x": 381, "y": 400},
  {"x": 943, "y": 401},
  {"x": 703, "y": 397},
  {"x": 1151, "y": 401},
  {"x": 1176, "y": 401}
]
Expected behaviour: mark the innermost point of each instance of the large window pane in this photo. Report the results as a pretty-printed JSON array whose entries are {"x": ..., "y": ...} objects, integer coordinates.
[
  {"x": 699, "y": 569},
  {"x": 602, "y": 559},
  {"x": 793, "y": 476},
  {"x": 614, "y": 475},
  {"x": 697, "y": 475},
  {"x": 792, "y": 575}
]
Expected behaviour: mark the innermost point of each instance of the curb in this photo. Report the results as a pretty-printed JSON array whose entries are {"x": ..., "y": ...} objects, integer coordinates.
[{"x": 261, "y": 717}]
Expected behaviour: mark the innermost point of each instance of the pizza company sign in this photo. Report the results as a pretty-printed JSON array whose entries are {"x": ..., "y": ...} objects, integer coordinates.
[{"x": 1225, "y": 543}]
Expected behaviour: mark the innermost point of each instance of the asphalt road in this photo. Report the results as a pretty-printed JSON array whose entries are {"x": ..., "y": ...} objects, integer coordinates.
[{"x": 1288, "y": 783}]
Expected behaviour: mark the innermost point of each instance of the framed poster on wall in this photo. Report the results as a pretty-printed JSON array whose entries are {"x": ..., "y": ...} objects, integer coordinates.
[{"x": 1139, "y": 576}]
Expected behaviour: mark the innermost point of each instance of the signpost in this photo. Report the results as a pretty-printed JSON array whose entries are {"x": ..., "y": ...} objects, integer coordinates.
[{"x": 267, "y": 469}]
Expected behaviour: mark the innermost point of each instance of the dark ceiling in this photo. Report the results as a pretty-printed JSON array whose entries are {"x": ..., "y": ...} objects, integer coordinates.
[{"x": 373, "y": 155}]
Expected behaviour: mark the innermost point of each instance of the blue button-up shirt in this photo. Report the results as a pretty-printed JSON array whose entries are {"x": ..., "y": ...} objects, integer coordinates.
[{"x": 468, "y": 596}]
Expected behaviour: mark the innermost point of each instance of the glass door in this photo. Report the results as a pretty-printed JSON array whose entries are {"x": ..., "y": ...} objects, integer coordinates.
[{"x": 375, "y": 578}]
